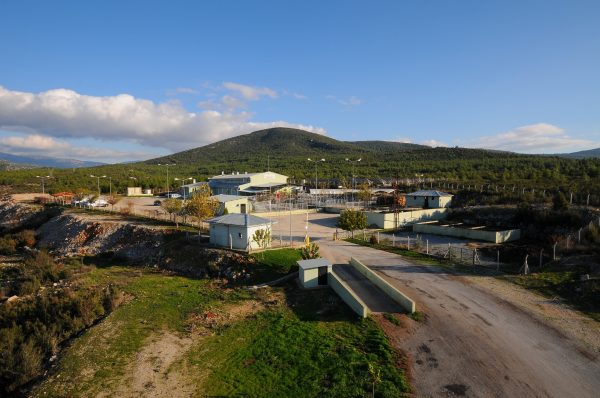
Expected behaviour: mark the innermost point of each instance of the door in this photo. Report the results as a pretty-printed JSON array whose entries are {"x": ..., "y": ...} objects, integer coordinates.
[
  {"x": 243, "y": 208},
  {"x": 322, "y": 276}
]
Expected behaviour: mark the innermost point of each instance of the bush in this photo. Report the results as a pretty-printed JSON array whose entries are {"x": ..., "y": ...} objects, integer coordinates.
[
  {"x": 26, "y": 238},
  {"x": 373, "y": 239},
  {"x": 351, "y": 220},
  {"x": 8, "y": 245}
]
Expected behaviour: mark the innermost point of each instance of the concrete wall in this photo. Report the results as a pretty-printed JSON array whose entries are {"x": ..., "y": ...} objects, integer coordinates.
[
  {"x": 347, "y": 295},
  {"x": 391, "y": 220},
  {"x": 309, "y": 277},
  {"x": 381, "y": 283},
  {"x": 235, "y": 206},
  {"x": 473, "y": 233}
]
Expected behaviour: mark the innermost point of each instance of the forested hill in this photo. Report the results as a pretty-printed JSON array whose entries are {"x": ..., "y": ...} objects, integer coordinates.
[
  {"x": 283, "y": 142},
  {"x": 590, "y": 153}
]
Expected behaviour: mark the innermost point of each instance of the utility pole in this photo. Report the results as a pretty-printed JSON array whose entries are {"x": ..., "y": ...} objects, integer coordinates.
[
  {"x": 98, "y": 182},
  {"x": 43, "y": 187},
  {"x": 353, "y": 162},
  {"x": 167, "y": 165}
]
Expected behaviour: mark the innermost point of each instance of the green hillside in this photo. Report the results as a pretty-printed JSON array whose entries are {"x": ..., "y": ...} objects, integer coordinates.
[{"x": 286, "y": 150}]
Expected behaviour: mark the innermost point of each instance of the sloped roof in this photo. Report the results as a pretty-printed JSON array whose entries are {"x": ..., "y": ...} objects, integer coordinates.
[
  {"x": 227, "y": 198},
  {"x": 428, "y": 193},
  {"x": 241, "y": 175},
  {"x": 241, "y": 220},
  {"x": 314, "y": 263}
]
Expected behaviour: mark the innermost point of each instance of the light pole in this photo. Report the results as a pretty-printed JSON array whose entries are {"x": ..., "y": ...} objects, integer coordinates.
[
  {"x": 353, "y": 162},
  {"x": 316, "y": 162},
  {"x": 167, "y": 164},
  {"x": 43, "y": 187},
  {"x": 183, "y": 180},
  {"x": 98, "y": 182}
]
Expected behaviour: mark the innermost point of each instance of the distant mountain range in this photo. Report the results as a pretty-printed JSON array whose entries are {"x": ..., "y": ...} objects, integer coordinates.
[
  {"x": 590, "y": 153},
  {"x": 9, "y": 161}
]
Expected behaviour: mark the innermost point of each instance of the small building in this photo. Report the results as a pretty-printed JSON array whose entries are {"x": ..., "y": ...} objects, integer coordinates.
[
  {"x": 138, "y": 191},
  {"x": 314, "y": 272},
  {"x": 233, "y": 204},
  {"x": 428, "y": 199},
  {"x": 236, "y": 230},
  {"x": 188, "y": 190},
  {"x": 248, "y": 184}
]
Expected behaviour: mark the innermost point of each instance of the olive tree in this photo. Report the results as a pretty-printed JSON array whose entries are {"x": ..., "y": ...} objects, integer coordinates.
[
  {"x": 351, "y": 220},
  {"x": 202, "y": 206}
]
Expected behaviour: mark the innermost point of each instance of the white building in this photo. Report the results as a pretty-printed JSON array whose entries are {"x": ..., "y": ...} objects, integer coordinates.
[
  {"x": 428, "y": 199},
  {"x": 236, "y": 230}
]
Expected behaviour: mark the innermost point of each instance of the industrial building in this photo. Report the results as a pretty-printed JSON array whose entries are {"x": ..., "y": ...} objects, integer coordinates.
[
  {"x": 247, "y": 184},
  {"x": 233, "y": 204}
]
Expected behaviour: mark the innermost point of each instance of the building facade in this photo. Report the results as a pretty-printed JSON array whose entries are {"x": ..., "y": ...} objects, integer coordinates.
[
  {"x": 235, "y": 231},
  {"x": 428, "y": 199},
  {"x": 247, "y": 184}
]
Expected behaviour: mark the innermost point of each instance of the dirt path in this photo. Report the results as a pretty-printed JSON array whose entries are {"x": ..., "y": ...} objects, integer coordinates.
[
  {"x": 474, "y": 343},
  {"x": 149, "y": 373}
]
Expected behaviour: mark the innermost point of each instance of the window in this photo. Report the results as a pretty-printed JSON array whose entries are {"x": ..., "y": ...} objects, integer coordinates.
[
  {"x": 240, "y": 235},
  {"x": 414, "y": 197}
]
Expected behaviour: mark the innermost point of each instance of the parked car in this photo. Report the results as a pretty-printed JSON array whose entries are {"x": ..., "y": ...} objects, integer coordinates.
[
  {"x": 99, "y": 203},
  {"x": 157, "y": 202},
  {"x": 173, "y": 195}
]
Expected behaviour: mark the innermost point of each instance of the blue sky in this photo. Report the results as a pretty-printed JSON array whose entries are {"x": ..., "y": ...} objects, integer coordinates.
[{"x": 120, "y": 80}]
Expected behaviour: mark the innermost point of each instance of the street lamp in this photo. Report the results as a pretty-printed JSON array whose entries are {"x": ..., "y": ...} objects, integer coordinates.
[
  {"x": 167, "y": 164},
  {"x": 43, "y": 187},
  {"x": 353, "y": 162},
  {"x": 316, "y": 175},
  {"x": 98, "y": 182},
  {"x": 182, "y": 182}
]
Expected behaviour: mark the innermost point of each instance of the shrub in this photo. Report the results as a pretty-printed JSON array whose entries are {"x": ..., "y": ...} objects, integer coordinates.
[
  {"x": 8, "y": 245},
  {"x": 373, "y": 239},
  {"x": 311, "y": 251},
  {"x": 26, "y": 238}
]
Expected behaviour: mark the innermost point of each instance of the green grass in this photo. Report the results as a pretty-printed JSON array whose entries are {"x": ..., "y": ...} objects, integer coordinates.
[
  {"x": 285, "y": 352},
  {"x": 273, "y": 264},
  {"x": 159, "y": 302},
  {"x": 392, "y": 318},
  {"x": 565, "y": 285}
]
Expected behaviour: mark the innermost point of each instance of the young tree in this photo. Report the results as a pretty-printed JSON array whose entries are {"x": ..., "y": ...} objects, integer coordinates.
[
  {"x": 365, "y": 194},
  {"x": 351, "y": 220},
  {"x": 112, "y": 201},
  {"x": 201, "y": 206},
  {"x": 172, "y": 207},
  {"x": 310, "y": 251},
  {"x": 262, "y": 237},
  {"x": 560, "y": 202}
]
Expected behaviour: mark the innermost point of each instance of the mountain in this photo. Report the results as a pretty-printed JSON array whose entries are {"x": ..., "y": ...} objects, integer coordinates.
[
  {"x": 280, "y": 142},
  {"x": 44, "y": 161},
  {"x": 590, "y": 153}
]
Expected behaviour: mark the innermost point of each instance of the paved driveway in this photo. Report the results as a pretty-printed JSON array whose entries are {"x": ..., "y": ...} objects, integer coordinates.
[{"x": 475, "y": 343}]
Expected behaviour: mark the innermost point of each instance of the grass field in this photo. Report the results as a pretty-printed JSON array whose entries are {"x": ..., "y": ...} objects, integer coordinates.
[
  {"x": 273, "y": 264},
  {"x": 271, "y": 342}
]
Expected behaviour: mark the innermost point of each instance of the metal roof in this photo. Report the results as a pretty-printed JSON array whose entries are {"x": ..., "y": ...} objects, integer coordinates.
[
  {"x": 227, "y": 198},
  {"x": 240, "y": 175},
  {"x": 428, "y": 193},
  {"x": 314, "y": 263},
  {"x": 241, "y": 220}
]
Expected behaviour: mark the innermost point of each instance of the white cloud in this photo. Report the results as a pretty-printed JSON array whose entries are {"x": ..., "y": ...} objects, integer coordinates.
[
  {"x": 534, "y": 138},
  {"x": 434, "y": 143},
  {"x": 36, "y": 144},
  {"x": 182, "y": 90},
  {"x": 350, "y": 101},
  {"x": 66, "y": 114},
  {"x": 250, "y": 92}
]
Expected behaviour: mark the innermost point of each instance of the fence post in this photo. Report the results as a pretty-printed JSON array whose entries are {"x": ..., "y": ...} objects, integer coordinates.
[
  {"x": 579, "y": 235},
  {"x": 377, "y": 237},
  {"x": 408, "y": 243},
  {"x": 393, "y": 240},
  {"x": 541, "y": 258},
  {"x": 497, "y": 260},
  {"x": 427, "y": 241},
  {"x": 554, "y": 251}
]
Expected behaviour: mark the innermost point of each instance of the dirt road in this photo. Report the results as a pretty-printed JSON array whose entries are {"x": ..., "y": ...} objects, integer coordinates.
[{"x": 475, "y": 344}]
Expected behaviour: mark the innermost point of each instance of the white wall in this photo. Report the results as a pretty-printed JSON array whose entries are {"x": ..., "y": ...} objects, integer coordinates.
[{"x": 240, "y": 235}]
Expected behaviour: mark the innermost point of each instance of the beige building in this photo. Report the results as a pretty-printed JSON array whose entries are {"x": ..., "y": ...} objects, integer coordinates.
[
  {"x": 428, "y": 199},
  {"x": 233, "y": 204},
  {"x": 247, "y": 183},
  {"x": 138, "y": 191},
  {"x": 235, "y": 231},
  {"x": 314, "y": 272}
]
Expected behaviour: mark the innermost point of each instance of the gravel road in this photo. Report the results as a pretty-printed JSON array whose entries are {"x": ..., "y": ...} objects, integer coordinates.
[{"x": 475, "y": 344}]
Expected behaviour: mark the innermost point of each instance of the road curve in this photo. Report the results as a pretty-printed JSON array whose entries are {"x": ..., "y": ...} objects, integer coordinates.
[{"x": 473, "y": 343}]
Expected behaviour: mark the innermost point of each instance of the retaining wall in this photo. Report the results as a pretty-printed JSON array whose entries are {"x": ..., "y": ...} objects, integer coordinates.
[
  {"x": 381, "y": 283},
  {"x": 469, "y": 233},
  {"x": 346, "y": 294},
  {"x": 395, "y": 220}
]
